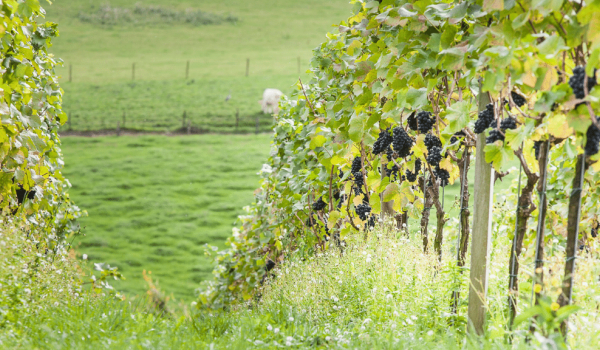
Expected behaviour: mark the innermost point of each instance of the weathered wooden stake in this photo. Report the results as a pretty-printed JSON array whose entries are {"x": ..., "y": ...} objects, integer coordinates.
[
  {"x": 118, "y": 129},
  {"x": 187, "y": 70},
  {"x": 247, "y": 66},
  {"x": 482, "y": 232},
  {"x": 538, "y": 277},
  {"x": 189, "y": 127},
  {"x": 574, "y": 216}
]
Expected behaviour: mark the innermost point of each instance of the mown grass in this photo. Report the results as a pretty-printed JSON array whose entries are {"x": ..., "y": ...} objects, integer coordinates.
[
  {"x": 273, "y": 36},
  {"x": 154, "y": 201}
]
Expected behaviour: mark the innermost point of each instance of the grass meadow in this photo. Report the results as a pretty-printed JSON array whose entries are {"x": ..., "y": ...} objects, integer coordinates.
[
  {"x": 154, "y": 201},
  {"x": 273, "y": 35}
]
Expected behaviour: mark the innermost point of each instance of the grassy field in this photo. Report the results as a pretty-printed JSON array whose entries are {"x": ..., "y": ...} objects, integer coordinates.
[
  {"x": 272, "y": 35},
  {"x": 154, "y": 201}
]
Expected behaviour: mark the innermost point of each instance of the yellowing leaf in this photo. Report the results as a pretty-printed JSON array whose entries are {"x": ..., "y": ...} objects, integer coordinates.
[
  {"x": 358, "y": 199},
  {"x": 559, "y": 127},
  {"x": 490, "y": 5},
  {"x": 333, "y": 218}
]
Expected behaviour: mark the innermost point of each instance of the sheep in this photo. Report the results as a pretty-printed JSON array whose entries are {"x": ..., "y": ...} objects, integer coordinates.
[{"x": 270, "y": 101}]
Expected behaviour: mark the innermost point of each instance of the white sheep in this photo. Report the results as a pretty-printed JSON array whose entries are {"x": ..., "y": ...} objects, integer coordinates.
[{"x": 270, "y": 101}]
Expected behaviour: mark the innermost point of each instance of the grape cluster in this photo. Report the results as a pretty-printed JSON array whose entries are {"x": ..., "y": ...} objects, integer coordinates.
[
  {"x": 21, "y": 192},
  {"x": 434, "y": 156},
  {"x": 518, "y": 99},
  {"x": 392, "y": 171},
  {"x": 412, "y": 177},
  {"x": 319, "y": 205},
  {"x": 455, "y": 137},
  {"x": 412, "y": 122},
  {"x": 576, "y": 81},
  {"x": 486, "y": 118},
  {"x": 356, "y": 165},
  {"x": 310, "y": 221},
  {"x": 495, "y": 135},
  {"x": 383, "y": 142},
  {"x": 536, "y": 148},
  {"x": 593, "y": 140},
  {"x": 402, "y": 143},
  {"x": 431, "y": 141},
  {"x": 508, "y": 123},
  {"x": 270, "y": 265},
  {"x": 443, "y": 175},
  {"x": 425, "y": 121},
  {"x": 363, "y": 210},
  {"x": 359, "y": 181}
]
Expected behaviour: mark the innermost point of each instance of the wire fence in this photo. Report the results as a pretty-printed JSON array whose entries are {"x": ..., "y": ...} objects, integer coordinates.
[{"x": 186, "y": 124}]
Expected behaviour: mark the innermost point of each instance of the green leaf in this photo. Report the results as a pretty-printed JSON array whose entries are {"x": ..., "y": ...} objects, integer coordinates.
[
  {"x": 458, "y": 115},
  {"x": 498, "y": 155},
  {"x": 317, "y": 141}
]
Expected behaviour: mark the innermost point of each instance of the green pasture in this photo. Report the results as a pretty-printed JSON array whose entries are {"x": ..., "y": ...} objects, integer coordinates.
[
  {"x": 154, "y": 201},
  {"x": 274, "y": 36}
]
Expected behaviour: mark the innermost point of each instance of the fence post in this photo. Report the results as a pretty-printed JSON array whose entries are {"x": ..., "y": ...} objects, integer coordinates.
[
  {"x": 257, "y": 116},
  {"x": 247, "y": 66},
  {"x": 189, "y": 127},
  {"x": 118, "y": 129},
  {"x": 70, "y": 72},
  {"x": 187, "y": 70},
  {"x": 237, "y": 119},
  {"x": 133, "y": 72},
  {"x": 124, "y": 119},
  {"x": 482, "y": 230}
]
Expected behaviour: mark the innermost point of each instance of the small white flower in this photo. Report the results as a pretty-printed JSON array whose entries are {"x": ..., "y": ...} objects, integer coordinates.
[
  {"x": 269, "y": 327},
  {"x": 430, "y": 333},
  {"x": 362, "y": 328},
  {"x": 84, "y": 257},
  {"x": 328, "y": 338},
  {"x": 276, "y": 330},
  {"x": 291, "y": 319},
  {"x": 368, "y": 260},
  {"x": 389, "y": 296},
  {"x": 395, "y": 313}
]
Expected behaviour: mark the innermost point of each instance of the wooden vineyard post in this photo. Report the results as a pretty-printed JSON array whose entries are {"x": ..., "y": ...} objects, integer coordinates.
[
  {"x": 189, "y": 127},
  {"x": 482, "y": 232},
  {"x": 118, "y": 129},
  {"x": 574, "y": 216}
]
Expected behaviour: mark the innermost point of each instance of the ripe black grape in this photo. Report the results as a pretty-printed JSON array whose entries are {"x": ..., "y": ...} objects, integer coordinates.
[
  {"x": 383, "y": 142},
  {"x": 431, "y": 141},
  {"x": 356, "y": 165},
  {"x": 508, "y": 123},
  {"x": 495, "y": 135},
  {"x": 455, "y": 137},
  {"x": 412, "y": 122},
  {"x": 270, "y": 265},
  {"x": 359, "y": 181},
  {"x": 577, "y": 79},
  {"x": 486, "y": 118},
  {"x": 443, "y": 175},
  {"x": 593, "y": 140},
  {"x": 363, "y": 210},
  {"x": 402, "y": 143},
  {"x": 518, "y": 99},
  {"x": 410, "y": 176},
  {"x": 319, "y": 205},
  {"x": 434, "y": 156},
  {"x": 425, "y": 121},
  {"x": 392, "y": 171}
]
